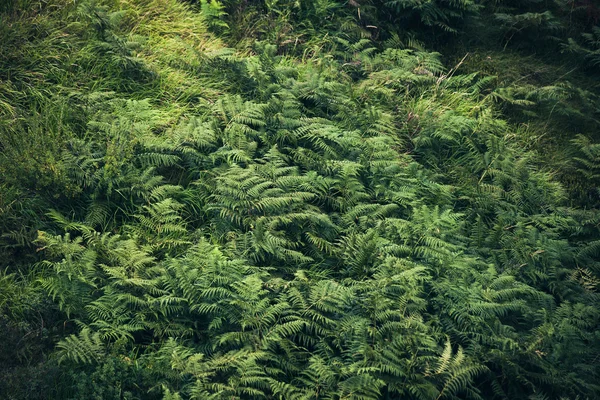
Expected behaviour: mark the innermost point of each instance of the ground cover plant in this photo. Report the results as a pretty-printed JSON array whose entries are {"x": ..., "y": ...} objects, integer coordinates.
[{"x": 299, "y": 199}]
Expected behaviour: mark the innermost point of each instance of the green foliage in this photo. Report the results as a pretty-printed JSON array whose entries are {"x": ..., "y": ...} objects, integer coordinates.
[
  {"x": 440, "y": 14},
  {"x": 590, "y": 49},
  {"x": 330, "y": 212}
]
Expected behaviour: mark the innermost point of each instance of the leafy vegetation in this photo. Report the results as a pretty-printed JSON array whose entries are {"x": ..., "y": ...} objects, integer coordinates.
[{"x": 299, "y": 199}]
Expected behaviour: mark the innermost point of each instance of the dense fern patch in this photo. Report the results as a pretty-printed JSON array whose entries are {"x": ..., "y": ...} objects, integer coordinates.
[{"x": 326, "y": 209}]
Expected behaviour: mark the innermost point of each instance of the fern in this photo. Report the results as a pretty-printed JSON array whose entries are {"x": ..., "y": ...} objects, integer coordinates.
[{"x": 86, "y": 347}]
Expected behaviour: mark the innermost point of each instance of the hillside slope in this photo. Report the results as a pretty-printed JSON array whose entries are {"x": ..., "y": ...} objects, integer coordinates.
[{"x": 299, "y": 200}]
